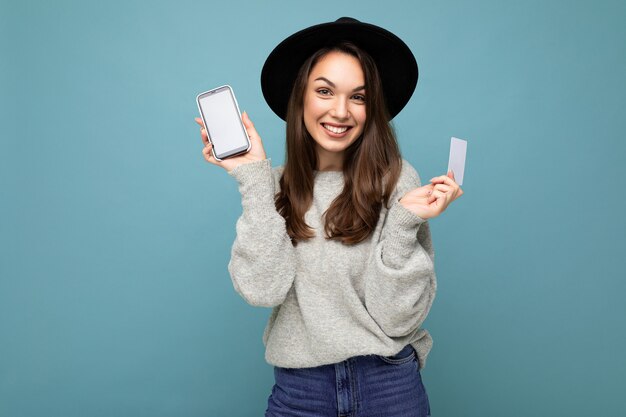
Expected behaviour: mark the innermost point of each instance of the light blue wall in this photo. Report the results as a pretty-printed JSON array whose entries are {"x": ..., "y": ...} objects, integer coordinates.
[{"x": 115, "y": 234}]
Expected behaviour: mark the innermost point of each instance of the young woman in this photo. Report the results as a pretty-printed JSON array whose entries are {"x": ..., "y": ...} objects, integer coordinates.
[{"x": 337, "y": 240}]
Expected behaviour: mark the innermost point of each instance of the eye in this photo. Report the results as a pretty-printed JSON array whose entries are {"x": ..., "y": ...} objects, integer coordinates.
[
  {"x": 324, "y": 91},
  {"x": 360, "y": 97}
]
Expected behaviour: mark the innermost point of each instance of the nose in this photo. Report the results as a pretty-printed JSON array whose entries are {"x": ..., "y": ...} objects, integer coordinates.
[{"x": 340, "y": 109}]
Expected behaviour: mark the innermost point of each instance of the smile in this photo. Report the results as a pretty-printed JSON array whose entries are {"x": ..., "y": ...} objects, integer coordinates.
[{"x": 335, "y": 129}]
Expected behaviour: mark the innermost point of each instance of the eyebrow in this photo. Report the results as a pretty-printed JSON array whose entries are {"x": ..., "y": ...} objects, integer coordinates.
[{"x": 334, "y": 86}]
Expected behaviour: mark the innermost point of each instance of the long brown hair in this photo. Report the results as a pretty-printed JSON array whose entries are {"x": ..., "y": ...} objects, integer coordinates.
[{"x": 371, "y": 166}]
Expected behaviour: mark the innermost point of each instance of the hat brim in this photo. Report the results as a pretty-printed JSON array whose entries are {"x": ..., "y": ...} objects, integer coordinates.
[{"x": 395, "y": 62}]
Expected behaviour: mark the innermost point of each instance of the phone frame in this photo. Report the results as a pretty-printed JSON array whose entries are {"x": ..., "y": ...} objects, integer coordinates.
[{"x": 232, "y": 94}]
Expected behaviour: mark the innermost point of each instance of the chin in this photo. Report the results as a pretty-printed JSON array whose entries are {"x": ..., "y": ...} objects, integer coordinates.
[{"x": 335, "y": 147}]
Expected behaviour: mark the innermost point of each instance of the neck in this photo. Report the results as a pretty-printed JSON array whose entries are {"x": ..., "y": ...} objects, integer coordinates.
[{"x": 329, "y": 161}]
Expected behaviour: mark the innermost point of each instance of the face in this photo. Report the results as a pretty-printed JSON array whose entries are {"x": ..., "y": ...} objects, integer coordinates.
[{"x": 334, "y": 106}]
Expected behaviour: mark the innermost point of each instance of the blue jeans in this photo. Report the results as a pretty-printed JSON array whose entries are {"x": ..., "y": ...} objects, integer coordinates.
[{"x": 361, "y": 386}]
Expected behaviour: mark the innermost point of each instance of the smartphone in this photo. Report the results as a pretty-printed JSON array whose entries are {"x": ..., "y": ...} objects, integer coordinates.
[{"x": 220, "y": 114}]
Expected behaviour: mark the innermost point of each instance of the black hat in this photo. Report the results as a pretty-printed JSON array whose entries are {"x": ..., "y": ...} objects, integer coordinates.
[{"x": 394, "y": 60}]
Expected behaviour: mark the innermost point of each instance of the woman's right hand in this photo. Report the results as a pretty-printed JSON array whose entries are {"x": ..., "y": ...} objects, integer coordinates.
[{"x": 256, "y": 152}]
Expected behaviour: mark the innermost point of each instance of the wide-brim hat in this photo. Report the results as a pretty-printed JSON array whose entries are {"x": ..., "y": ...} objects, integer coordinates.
[{"x": 395, "y": 61}]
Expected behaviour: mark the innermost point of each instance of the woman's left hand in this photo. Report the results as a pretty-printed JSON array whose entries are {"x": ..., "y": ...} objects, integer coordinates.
[{"x": 431, "y": 200}]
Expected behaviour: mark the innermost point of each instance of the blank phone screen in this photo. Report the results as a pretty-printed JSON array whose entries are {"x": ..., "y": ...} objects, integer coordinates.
[{"x": 223, "y": 122}]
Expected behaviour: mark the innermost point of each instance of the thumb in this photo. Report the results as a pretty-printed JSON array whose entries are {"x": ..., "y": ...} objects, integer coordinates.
[{"x": 252, "y": 133}]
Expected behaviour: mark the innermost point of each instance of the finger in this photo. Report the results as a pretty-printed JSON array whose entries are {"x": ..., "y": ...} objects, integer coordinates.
[
  {"x": 440, "y": 200},
  {"x": 432, "y": 199},
  {"x": 203, "y": 132},
  {"x": 442, "y": 179},
  {"x": 443, "y": 187},
  {"x": 205, "y": 137},
  {"x": 457, "y": 194},
  {"x": 438, "y": 194},
  {"x": 441, "y": 203},
  {"x": 422, "y": 191},
  {"x": 451, "y": 174},
  {"x": 252, "y": 133},
  {"x": 208, "y": 155}
]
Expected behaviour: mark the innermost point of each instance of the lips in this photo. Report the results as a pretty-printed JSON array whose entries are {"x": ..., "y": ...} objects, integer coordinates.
[{"x": 336, "y": 129}]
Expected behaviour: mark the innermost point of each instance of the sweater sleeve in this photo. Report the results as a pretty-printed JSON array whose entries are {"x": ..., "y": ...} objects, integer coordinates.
[
  {"x": 400, "y": 281},
  {"x": 263, "y": 263}
]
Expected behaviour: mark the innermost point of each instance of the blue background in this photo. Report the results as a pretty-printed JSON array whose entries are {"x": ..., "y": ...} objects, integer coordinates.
[{"x": 115, "y": 234}]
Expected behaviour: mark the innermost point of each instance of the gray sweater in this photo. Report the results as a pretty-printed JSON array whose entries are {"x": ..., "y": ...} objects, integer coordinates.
[{"x": 332, "y": 301}]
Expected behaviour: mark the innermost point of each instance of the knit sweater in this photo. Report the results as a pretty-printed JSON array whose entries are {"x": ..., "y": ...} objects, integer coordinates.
[{"x": 332, "y": 301}]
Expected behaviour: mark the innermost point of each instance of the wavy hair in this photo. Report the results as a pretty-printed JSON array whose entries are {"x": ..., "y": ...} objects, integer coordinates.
[{"x": 371, "y": 166}]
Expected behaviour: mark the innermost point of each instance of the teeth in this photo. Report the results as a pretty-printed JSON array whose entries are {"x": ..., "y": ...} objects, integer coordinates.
[{"x": 335, "y": 129}]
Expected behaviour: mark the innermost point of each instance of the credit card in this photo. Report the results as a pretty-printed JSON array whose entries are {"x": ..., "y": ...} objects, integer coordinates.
[{"x": 456, "y": 163}]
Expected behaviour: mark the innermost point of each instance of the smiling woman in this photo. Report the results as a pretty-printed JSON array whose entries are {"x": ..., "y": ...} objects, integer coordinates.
[{"x": 337, "y": 240}]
